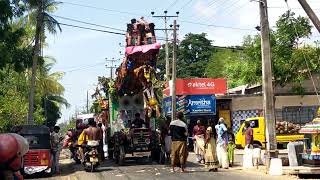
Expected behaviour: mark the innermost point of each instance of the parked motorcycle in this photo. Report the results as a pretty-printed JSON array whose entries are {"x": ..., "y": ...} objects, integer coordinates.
[{"x": 91, "y": 156}]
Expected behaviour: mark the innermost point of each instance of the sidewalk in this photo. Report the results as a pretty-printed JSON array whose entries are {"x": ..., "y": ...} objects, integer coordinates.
[
  {"x": 260, "y": 170},
  {"x": 241, "y": 151}
]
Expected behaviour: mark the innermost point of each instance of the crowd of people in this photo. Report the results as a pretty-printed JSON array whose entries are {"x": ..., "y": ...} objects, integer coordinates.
[{"x": 213, "y": 145}]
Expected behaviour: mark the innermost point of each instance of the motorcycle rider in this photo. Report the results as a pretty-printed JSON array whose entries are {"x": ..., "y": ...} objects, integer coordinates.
[{"x": 92, "y": 133}]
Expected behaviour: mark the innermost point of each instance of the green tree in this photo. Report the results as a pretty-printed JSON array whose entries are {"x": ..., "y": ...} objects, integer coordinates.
[
  {"x": 289, "y": 60},
  {"x": 52, "y": 92},
  {"x": 16, "y": 37},
  {"x": 39, "y": 13},
  {"x": 194, "y": 53}
]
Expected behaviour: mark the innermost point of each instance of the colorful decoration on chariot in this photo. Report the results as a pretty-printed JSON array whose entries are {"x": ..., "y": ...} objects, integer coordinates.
[
  {"x": 103, "y": 103},
  {"x": 151, "y": 102},
  {"x": 318, "y": 112},
  {"x": 111, "y": 87},
  {"x": 130, "y": 64},
  {"x": 141, "y": 54},
  {"x": 136, "y": 74},
  {"x": 312, "y": 127}
]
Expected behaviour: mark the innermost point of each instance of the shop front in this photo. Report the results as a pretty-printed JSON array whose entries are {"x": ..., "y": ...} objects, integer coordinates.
[{"x": 196, "y": 98}]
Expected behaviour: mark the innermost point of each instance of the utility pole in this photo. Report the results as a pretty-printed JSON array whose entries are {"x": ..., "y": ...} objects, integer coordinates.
[
  {"x": 174, "y": 72},
  {"x": 112, "y": 66},
  {"x": 36, "y": 52},
  {"x": 310, "y": 13},
  {"x": 87, "y": 102},
  {"x": 268, "y": 102},
  {"x": 165, "y": 17}
]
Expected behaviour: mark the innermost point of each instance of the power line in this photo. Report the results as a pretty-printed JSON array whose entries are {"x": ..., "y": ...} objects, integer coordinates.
[
  {"x": 305, "y": 59},
  {"x": 279, "y": 7},
  {"x": 93, "y": 24},
  {"x": 93, "y": 29},
  {"x": 185, "y": 5},
  {"x": 84, "y": 67},
  {"x": 99, "y": 30},
  {"x": 172, "y": 4},
  {"x": 233, "y": 9},
  {"x": 99, "y": 8},
  {"x": 218, "y": 26},
  {"x": 217, "y": 2}
]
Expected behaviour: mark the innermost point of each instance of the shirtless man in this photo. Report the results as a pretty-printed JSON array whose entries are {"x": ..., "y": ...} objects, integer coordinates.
[{"x": 92, "y": 133}]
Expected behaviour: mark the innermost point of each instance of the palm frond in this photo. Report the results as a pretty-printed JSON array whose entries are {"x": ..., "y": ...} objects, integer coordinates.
[
  {"x": 51, "y": 24},
  {"x": 59, "y": 100}
]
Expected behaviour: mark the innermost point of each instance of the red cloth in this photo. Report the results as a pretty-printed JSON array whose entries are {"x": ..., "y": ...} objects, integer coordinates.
[
  {"x": 249, "y": 135},
  {"x": 198, "y": 130}
]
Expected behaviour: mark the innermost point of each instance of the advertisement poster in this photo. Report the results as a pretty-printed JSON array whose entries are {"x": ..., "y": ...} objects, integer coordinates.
[{"x": 192, "y": 104}]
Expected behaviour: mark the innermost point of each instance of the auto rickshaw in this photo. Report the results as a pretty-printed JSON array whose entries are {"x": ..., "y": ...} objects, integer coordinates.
[{"x": 38, "y": 159}]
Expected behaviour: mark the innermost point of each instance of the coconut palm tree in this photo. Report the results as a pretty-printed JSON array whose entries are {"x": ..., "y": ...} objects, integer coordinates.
[
  {"x": 52, "y": 91},
  {"x": 39, "y": 15}
]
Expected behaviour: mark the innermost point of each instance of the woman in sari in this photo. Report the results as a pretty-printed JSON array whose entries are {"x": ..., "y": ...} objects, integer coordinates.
[
  {"x": 222, "y": 143},
  {"x": 210, "y": 156},
  {"x": 198, "y": 137}
]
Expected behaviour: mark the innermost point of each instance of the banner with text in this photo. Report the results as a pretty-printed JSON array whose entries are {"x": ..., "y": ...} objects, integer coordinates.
[{"x": 192, "y": 104}]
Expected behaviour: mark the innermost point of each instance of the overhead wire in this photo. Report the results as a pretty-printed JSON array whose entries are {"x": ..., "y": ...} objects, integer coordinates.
[
  {"x": 83, "y": 22},
  {"x": 193, "y": 14},
  {"x": 218, "y": 26},
  {"x": 93, "y": 29},
  {"x": 100, "y": 8},
  {"x": 84, "y": 67},
  {"x": 172, "y": 4},
  {"x": 98, "y": 30},
  {"x": 305, "y": 58},
  {"x": 186, "y": 4},
  {"x": 225, "y": 6},
  {"x": 233, "y": 10}
]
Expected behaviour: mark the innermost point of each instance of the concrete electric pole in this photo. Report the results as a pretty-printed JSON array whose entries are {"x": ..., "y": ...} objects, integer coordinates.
[
  {"x": 268, "y": 101},
  {"x": 310, "y": 13},
  {"x": 165, "y": 17},
  {"x": 112, "y": 66},
  {"x": 174, "y": 72},
  {"x": 87, "y": 102}
]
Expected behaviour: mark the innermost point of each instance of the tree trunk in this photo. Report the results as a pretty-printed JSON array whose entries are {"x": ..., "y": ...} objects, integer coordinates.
[{"x": 36, "y": 52}]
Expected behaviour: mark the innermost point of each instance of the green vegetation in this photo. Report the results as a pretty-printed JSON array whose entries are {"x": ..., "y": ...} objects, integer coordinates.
[
  {"x": 17, "y": 32},
  {"x": 242, "y": 65}
]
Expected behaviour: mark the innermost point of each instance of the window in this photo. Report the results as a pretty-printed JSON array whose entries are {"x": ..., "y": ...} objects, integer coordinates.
[
  {"x": 298, "y": 114},
  {"x": 32, "y": 140},
  {"x": 254, "y": 123}
]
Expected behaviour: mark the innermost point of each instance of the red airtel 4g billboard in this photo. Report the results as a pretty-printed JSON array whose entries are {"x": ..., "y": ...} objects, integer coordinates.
[{"x": 197, "y": 86}]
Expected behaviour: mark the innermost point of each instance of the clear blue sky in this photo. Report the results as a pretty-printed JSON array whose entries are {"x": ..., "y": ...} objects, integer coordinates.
[{"x": 81, "y": 53}]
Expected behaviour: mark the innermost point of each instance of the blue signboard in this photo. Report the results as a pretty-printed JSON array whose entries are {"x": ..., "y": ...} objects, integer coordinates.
[
  {"x": 201, "y": 104},
  {"x": 192, "y": 104}
]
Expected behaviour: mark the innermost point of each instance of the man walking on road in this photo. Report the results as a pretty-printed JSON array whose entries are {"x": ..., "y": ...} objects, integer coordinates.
[
  {"x": 248, "y": 135},
  {"x": 55, "y": 148},
  {"x": 178, "y": 132}
]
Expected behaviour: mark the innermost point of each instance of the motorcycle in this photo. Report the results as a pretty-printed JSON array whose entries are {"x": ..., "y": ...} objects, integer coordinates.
[
  {"x": 75, "y": 154},
  {"x": 70, "y": 143},
  {"x": 91, "y": 156}
]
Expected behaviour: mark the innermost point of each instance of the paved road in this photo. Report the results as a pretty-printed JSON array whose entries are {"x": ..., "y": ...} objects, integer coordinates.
[{"x": 144, "y": 170}]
